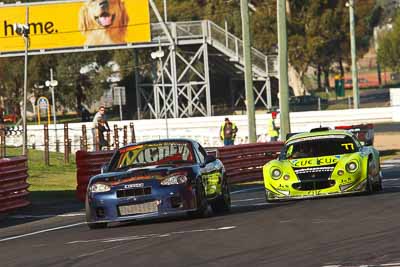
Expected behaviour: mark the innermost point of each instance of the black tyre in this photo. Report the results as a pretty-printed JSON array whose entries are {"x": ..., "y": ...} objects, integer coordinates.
[
  {"x": 88, "y": 218},
  {"x": 223, "y": 202},
  {"x": 369, "y": 188},
  {"x": 378, "y": 187},
  {"x": 94, "y": 226},
  {"x": 201, "y": 201}
]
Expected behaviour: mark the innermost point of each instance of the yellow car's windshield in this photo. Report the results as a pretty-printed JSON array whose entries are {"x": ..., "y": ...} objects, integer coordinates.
[{"x": 319, "y": 147}]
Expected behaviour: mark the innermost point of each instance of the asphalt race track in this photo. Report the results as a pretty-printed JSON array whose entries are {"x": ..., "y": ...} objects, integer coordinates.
[{"x": 342, "y": 231}]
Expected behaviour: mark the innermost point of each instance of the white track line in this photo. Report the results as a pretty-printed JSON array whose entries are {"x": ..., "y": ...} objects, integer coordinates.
[
  {"x": 388, "y": 180},
  {"x": 248, "y": 190},
  {"x": 42, "y": 231},
  {"x": 27, "y": 216},
  {"x": 149, "y": 236},
  {"x": 389, "y": 166},
  {"x": 391, "y": 264},
  {"x": 366, "y": 265},
  {"x": 249, "y": 199},
  {"x": 392, "y": 161}
]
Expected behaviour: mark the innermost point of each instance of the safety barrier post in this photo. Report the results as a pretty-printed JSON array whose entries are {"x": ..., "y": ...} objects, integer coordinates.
[
  {"x": 2, "y": 141},
  {"x": 125, "y": 140},
  {"x": 46, "y": 145},
  {"x": 97, "y": 138},
  {"x": 81, "y": 146},
  {"x": 84, "y": 137},
  {"x": 108, "y": 136},
  {"x": 116, "y": 137},
  {"x": 66, "y": 139},
  {"x": 57, "y": 145},
  {"x": 133, "y": 137},
  {"x": 69, "y": 147}
]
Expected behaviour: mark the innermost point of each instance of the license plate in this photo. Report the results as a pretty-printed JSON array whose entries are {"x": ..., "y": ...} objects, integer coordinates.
[{"x": 142, "y": 208}]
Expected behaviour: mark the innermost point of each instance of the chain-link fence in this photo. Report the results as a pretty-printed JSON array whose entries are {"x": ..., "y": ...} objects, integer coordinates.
[{"x": 49, "y": 138}]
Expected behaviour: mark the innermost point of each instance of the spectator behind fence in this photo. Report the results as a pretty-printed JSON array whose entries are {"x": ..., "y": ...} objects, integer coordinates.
[
  {"x": 100, "y": 121},
  {"x": 1, "y": 115},
  {"x": 228, "y": 132},
  {"x": 272, "y": 129},
  {"x": 85, "y": 114},
  {"x": 102, "y": 128}
]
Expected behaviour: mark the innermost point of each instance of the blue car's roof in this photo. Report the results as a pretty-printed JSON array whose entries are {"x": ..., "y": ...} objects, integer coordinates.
[{"x": 162, "y": 140}]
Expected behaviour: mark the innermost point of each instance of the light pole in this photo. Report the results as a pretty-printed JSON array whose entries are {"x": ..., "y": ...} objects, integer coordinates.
[
  {"x": 356, "y": 94},
  {"x": 248, "y": 75},
  {"x": 51, "y": 84},
  {"x": 159, "y": 54},
  {"x": 23, "y": 30},
  {"x": 165, "y": 11},
  {"x": 283, "y": 70}
]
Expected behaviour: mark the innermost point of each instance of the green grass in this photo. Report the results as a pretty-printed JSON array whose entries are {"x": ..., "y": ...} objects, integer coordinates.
[{"x": 57, "y": 180}]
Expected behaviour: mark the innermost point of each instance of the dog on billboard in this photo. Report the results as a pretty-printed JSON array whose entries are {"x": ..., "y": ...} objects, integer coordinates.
[{"x": 103, "y": 22}]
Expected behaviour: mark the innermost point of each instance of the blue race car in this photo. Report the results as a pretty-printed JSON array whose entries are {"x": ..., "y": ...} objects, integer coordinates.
[{"x": 157, "y": 178}]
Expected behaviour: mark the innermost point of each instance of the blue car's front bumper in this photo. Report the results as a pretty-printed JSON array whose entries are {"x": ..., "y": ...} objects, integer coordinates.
[{"x": 163, "y": 200}]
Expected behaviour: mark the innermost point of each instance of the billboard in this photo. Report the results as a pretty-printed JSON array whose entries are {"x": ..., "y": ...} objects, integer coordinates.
[{"x": 56, "y": 25}]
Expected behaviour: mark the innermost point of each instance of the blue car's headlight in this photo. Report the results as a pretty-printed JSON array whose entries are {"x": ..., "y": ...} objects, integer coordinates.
[
  {"x": 174, "y": 179},
  {"x": 99, "y": 188}
]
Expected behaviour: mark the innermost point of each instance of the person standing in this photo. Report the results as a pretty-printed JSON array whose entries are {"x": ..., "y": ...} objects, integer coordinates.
[
  {"x": 228, "y": 132},
  {"x": 100, "y": 122},
  {"x": 1, "y": 115},
  {"x": 272, "y": 130}
]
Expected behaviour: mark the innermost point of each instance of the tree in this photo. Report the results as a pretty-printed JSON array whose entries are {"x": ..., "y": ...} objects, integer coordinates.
[
  {"x": 79, "y": 77},
  {"x": 389, "y": 49}
]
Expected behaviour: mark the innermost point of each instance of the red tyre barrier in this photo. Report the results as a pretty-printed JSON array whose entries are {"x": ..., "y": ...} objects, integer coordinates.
[
  {"x": 244, "y": 163},
  {"x": 89, "y": 164},
  {"x": 13, "y": 185}
]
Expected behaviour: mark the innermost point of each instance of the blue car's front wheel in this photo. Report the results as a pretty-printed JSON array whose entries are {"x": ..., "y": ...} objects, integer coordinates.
[
  {"x": 223, "y": 202},
  {"x": 88, "y": 218},
  {"x": 201, "y": 201}
]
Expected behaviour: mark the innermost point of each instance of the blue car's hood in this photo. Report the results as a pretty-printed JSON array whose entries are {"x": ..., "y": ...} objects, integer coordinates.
[{"x": 157, "y": 170}]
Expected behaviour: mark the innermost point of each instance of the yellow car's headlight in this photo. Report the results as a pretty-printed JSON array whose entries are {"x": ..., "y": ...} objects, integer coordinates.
[
  {"x": 352, "y": 166},
  {"x": 276, "y": 173}
]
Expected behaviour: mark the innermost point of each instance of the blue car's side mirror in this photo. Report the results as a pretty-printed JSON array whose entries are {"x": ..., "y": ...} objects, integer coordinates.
[
  {"x": 104, "y": 168},
  {"x": 210, "y": 158}
]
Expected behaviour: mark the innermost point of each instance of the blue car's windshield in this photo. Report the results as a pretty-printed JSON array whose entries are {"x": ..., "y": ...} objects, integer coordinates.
[
  {"x": 153, "y": 154},
  {"x": 319, "y": 147}
]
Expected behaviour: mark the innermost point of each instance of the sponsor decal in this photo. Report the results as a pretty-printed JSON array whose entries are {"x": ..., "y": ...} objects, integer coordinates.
[
  {"x": 348, "y": 146},
  {"x": 138, "y": 185},
  {"x": 319, "y": 161},
  {"x": 55, "y": 25}
]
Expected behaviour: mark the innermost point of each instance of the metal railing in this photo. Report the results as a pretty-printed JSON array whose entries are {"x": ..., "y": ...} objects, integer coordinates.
[{"x": 227, "y": 43}]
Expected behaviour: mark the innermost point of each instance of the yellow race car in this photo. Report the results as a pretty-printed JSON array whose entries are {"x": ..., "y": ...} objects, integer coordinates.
[{"x": 322, "y": 162}]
